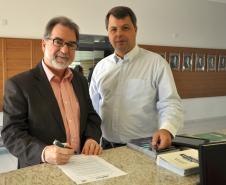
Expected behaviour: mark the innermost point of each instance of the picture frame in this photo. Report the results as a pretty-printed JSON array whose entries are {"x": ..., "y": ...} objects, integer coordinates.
[
  {"x": 163, "y": 54},
  {"x": 187, "y": 62},
  {"x": 211, "y": 62},
  {"x": 200, "y": 62},
  {"x": 222, "y": 63},
  {"x": 174, "y": 61}
]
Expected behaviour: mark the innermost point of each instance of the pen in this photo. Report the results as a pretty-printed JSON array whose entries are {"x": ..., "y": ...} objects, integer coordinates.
[
  {"x": 189, "y": 158},
  {"x": 58, "y": 143}
]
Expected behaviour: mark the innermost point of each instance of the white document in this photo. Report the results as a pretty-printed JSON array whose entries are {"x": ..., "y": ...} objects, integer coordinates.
[{"x": 88, "y": 168}]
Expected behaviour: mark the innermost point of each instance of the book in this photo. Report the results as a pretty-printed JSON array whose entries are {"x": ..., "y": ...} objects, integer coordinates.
[
  {"x": 144, "y": 145},
  {"x": 212, "y": 136},
  {"x": 181, "y": 162},
  {"x": 188, "y": 141}
]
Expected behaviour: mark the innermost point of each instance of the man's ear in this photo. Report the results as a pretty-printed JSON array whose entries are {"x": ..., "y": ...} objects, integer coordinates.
[
  {"x": 136, "y": 29},
  {"x": 43, "y": 45}
]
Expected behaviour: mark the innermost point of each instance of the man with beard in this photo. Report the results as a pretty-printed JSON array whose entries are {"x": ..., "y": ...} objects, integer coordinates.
[
  {"x": 51, "y": 102},
  {"x": 133, "y": 89}
]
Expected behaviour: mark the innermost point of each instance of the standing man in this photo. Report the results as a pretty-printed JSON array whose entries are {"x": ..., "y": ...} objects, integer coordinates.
[
  {"x": 50, "y": 102},
  {"x": 133, "y": 90}
]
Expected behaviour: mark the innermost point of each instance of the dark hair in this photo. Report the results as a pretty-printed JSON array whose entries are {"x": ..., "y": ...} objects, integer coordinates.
[
  {"x": 63, "y": 21},
  {"x": 121, "y": 12}
]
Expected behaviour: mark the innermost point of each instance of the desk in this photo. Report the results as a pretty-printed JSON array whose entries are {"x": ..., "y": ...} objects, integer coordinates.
[{"x": 141, "y": 171}]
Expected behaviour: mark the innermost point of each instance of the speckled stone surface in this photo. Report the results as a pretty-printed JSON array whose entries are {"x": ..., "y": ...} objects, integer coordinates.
[{"x": 141, "y": 171}]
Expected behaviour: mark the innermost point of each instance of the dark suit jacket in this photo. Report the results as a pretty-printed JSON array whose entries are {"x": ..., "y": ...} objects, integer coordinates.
[{"x": 32, "y": 118}]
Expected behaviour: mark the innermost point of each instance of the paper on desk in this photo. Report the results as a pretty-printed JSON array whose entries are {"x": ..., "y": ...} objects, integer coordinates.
[{"x": 88, "y": 168}]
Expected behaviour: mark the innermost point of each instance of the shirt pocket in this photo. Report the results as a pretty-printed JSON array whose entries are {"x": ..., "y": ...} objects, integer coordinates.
[{"x": 138, "y": 89}]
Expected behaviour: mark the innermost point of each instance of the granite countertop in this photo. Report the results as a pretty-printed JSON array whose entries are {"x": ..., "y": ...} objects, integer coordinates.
[{"x": 141, "y": 171}]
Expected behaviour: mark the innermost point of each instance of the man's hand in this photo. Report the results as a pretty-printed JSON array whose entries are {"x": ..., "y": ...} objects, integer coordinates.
[
  {"x": 161, "y": 139},
  {"x": 91, "y": 147},
  {"x": 57, "y": 155}
]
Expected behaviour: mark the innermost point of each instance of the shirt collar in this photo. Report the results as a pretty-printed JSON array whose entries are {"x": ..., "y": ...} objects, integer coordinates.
[
  {"x": 129, "y": 56},
  {"x": 50, "y": 75}
]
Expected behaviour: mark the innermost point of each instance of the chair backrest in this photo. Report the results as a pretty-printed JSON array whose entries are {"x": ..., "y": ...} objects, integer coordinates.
[{"x": 212, "y": 163}]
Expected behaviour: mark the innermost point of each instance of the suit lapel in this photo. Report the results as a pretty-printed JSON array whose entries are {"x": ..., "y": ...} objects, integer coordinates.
[{"x": 47, "y": 94}]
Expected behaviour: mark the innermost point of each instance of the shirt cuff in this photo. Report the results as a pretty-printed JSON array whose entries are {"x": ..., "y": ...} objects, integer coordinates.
[
  {"x": 43, "y": 155},
  {"x": 168, "y": 126}
]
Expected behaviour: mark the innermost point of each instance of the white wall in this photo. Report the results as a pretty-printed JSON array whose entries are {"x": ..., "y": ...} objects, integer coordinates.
[
  {"x": 195, "y": 23},
  {"x": 204, "y": 108},
  {"x": 188, "y": 23}
]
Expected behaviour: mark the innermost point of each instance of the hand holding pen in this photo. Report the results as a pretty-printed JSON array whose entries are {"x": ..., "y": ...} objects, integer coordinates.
[
  {"x": 58, "y": 153},
  {"x": 59, "y": 144}
]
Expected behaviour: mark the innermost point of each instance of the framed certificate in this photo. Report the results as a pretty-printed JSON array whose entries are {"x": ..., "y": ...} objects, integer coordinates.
[
  {"x": 174, "y": 61},
  {"x": 211, "y": 63},
  {"x": 222, "y": 63},
  {"x": 187, "y": 62},
  {"x": 200, "y": 62}
]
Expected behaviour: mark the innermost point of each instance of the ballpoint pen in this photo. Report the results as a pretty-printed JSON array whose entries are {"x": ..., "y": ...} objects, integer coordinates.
[
  {"x": 189, "y": 158},
  {"x": 58, "y": 143}
]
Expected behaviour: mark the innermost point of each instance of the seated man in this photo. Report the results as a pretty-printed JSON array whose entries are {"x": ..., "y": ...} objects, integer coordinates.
[{"x": 50, "y": 102}]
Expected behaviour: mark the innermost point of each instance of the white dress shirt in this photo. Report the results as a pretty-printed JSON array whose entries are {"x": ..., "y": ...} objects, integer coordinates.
[{"x": 135, "y": 96}]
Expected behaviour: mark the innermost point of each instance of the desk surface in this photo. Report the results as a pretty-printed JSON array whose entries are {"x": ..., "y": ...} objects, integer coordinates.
[{"x": 140, "y": 168}]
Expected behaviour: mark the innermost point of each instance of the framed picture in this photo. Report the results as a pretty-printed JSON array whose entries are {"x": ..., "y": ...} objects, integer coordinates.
[
  {"x": 163, "y": 54},
  {"x": 174, "y": 61},
  {"x": 187, "y": 62},
  {"x": 200, "y": 62},
  {"x": 211, "y": 63},
  {"x": 222, "y": 63}
]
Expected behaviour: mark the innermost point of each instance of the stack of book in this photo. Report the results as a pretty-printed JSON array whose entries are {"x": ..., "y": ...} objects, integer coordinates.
[{"x": 181, "y": 162}]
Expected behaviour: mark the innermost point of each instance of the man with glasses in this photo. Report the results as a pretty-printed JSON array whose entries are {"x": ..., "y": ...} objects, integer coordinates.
[{"x": 51, "y": 102}]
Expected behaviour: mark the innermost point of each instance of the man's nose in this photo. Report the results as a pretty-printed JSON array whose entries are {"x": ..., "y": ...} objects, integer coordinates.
[
  {"x": 119, "y": 32},
  {"x": 64, "y": 48}
]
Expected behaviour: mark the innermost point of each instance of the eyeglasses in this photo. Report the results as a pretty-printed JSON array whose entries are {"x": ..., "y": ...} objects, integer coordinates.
[{"x": 60, "y": 43}]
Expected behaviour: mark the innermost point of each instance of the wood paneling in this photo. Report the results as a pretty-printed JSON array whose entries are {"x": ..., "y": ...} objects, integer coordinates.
[
  {"x": 37, "y": 53},
  {"x": 16, "y": 56},
  {"x": 192, "y": 84}
]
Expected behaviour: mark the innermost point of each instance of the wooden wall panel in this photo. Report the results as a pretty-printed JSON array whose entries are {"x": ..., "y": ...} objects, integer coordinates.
[
  {"x": 192, "y": 84},
  {"x": 37, "y": 53},
  {"x": 18, "y": 56}
]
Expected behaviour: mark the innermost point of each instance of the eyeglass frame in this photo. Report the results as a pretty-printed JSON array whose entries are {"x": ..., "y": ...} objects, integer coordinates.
[{"x": 68, "y": 44}]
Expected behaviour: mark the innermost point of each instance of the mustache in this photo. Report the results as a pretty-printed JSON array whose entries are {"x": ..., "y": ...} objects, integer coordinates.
[{"x": 61, "y": 55}]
